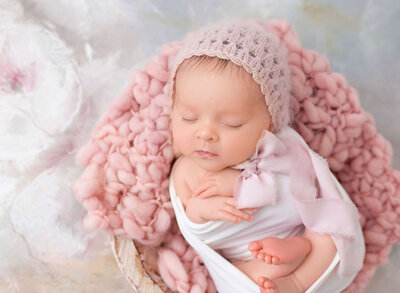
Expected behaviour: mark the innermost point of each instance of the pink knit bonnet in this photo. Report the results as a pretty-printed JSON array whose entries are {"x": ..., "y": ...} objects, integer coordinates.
[{"x": 247, "y": 44}]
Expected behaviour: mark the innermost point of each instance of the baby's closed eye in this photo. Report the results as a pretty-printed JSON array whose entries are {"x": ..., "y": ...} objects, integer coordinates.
[
  {"x": 188, "y": 117},
  {"x": 233, "y": 123}
]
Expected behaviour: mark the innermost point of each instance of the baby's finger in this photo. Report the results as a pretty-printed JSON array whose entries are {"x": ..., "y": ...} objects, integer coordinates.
[
  {"x": 222, "y": 215},
  {"x": 201, "y": 188},
  {"x": 250, "y": 210},
  {"x": 212, "y": 191},
  {"x": 232, "y": 202},
  {"x": 238, "y": 213}
]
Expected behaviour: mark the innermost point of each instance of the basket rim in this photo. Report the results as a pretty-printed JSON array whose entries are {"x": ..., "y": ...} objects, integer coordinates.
[{"x": 131, "y": 265}]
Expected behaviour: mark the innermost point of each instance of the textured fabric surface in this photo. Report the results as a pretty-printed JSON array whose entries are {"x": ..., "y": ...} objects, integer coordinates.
[{"x": 125, "y": 185}]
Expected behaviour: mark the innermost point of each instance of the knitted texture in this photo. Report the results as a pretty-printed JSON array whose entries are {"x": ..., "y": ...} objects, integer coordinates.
[
  {"x": 248, "y": 45},
  {"x": 125, "y": 184}
]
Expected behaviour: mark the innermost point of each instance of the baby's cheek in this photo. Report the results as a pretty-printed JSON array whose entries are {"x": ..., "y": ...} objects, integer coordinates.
[
  {"x": 181, "y": 141},
  {"x": 241, "y": 150}
]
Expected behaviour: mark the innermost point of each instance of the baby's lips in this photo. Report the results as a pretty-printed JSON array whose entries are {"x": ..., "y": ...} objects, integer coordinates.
[{"x": 206, "y": 154}]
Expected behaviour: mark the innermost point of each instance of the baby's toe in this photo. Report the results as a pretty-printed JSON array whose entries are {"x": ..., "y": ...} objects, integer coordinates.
[
  {"x": 275, "y": 260},
  {"x": 268, "y": 285},
  {"x": 268, "y": 259},
  {"x": 261, "y": 281},
  {"x": 255, "y": 245},
  {"x": 261, "y": 256}
]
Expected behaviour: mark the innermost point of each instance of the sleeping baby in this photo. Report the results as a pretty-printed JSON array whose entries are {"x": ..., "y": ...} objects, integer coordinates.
[{"x": 254, "y": 201}]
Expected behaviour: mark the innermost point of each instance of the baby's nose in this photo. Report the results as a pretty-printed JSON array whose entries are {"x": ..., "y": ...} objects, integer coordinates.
[{"x": 207, "y": 133}]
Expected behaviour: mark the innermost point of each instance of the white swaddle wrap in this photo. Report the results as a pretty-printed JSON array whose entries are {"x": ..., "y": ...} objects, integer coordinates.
[
  {"x": 227, "y": 277},
  {"x": 219, "y": 243},
  {"x": 231, "y": 239}
]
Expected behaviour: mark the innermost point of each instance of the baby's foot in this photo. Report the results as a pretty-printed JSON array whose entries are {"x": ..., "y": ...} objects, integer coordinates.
[
  {"x": 266, "y": 285},
  {"x": 278, "y": 251}
]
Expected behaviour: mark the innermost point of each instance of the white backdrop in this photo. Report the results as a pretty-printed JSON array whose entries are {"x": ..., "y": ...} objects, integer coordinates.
[{"x": 61, "y": 63}]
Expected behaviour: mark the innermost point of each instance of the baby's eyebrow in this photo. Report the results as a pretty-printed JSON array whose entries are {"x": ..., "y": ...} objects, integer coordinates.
[
  {"x": 181, "y": 104},
  {"x": 187, "y": 108},
  {"x": 231, "y": 112}
]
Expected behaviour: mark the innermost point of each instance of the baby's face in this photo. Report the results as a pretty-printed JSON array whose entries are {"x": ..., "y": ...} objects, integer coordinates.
[{"x": 217, "y": 116}]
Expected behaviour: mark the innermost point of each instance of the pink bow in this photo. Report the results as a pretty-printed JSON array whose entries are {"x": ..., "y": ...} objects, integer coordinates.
[{"x": 256, "y": 186}]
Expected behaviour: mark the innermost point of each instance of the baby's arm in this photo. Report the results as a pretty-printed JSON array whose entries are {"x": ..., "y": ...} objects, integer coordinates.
[
  {"x": 216, "y": 208},
  {"x": 201, "y": 210},
  {"x": 221, "y": 183}
]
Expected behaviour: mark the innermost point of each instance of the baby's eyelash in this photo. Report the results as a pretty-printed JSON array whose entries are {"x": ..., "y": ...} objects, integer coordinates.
[
  {"x": 188, "y": 120},
  {"x": 233, "y": 126}
]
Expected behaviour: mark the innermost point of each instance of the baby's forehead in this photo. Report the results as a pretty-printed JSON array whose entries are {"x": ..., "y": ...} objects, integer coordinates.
[{"x": 215, "y": 65}]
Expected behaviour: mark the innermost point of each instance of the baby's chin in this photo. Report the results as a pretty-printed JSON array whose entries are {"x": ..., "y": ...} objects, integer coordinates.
[{"x": 211, "y": 166}]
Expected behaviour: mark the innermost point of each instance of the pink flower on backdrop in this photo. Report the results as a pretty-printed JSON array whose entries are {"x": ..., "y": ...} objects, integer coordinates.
[{"x": 15, "y": 77}]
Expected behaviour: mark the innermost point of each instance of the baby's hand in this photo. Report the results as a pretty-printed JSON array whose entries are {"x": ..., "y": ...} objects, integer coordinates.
[
  {"x": 218, "y": 208},
  {"x": 221, "y": 183}
]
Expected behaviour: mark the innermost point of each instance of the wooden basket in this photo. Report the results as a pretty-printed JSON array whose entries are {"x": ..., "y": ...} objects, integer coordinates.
[{"x": 138, "y": 263}]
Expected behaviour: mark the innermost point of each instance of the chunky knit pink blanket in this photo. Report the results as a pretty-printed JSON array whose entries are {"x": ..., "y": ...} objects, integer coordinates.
[{"x": 125, "y": 184}]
